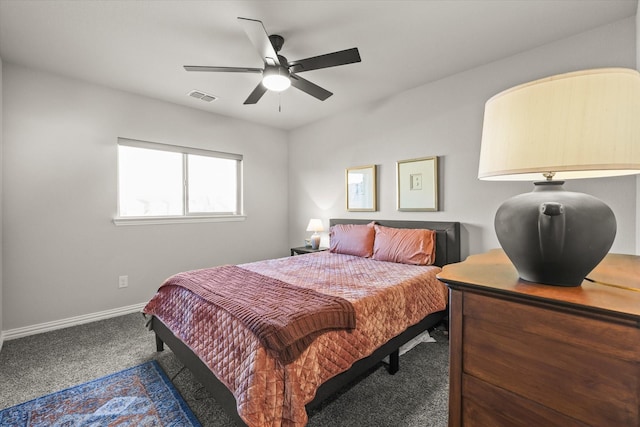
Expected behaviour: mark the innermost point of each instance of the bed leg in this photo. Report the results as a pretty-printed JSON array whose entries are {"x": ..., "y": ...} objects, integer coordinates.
[
  {"x": 159, "y": 344},
  {"x": 394, "y": 361}
]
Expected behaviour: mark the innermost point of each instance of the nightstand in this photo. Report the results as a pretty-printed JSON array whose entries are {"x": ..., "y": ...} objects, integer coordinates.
[{"x": 300, "y": 250}]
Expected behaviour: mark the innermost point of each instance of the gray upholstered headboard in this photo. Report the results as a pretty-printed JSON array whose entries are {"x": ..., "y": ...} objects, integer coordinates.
[{"x": 447, "y": 235}]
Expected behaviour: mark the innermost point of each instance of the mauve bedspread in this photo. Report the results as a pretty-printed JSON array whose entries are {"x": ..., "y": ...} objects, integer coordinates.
[
  {"x": 285, "y": 318},
  {"x": 387, "y": 298}
]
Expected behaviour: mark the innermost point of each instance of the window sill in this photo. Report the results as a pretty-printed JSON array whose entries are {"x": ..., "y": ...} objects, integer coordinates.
[{"x": 175, "y": 219}]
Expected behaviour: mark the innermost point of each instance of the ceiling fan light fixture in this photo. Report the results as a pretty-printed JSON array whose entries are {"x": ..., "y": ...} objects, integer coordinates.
[{"x": 276, "y": 79}]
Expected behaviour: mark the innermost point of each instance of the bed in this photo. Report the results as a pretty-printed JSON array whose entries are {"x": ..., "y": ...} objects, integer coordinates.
[{"x": 271, "y": 388}]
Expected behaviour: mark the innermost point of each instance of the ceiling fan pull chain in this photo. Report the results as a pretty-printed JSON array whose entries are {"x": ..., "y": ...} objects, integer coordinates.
[{"x": 279, "y": 102}]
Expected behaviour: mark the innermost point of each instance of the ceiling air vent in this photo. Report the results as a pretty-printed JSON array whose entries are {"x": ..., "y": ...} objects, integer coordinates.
[{"x": 201, "y": 95}]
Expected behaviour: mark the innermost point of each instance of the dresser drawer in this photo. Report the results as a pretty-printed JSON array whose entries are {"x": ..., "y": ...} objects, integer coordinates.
[
  {"x": 583, "y": 367},
  {"x": 486, "y": 405}
]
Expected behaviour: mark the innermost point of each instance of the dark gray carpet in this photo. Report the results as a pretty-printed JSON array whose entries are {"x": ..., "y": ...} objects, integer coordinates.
[{"x": 33, "y": 366}]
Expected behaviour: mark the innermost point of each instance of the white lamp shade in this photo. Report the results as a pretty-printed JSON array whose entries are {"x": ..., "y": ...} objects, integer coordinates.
[
  {"x": 315, "y": 225},
  {"x": 577, "y": 125}
]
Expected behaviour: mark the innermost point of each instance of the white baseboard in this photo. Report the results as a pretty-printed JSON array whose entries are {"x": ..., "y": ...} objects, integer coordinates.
[{"x": 65, "y": 323}]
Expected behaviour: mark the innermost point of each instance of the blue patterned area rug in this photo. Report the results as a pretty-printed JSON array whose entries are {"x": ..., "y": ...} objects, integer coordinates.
[{"x": 138, "y": 396}]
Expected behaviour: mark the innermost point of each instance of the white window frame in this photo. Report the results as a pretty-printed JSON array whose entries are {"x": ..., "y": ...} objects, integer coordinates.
[{"x": 186, "y": 217}]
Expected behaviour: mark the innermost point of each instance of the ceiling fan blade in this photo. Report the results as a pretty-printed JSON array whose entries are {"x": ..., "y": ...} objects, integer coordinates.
[
  {"x": 257, "y": 93},
  {"x": 343, "y": 57},
  {"x": 259, "y": 38},
  {"x": 310, "y": 88},
  {"x": 222, "y": 69}
]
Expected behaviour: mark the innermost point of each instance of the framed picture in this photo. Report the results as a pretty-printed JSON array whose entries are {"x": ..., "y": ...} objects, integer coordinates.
[
  {"x": 418, "y": 184},
  {"x": 361, "y": 189}
]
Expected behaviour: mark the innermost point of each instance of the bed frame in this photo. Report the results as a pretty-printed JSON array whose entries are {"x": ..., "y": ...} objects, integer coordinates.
[{"x": 447, "y": 252}]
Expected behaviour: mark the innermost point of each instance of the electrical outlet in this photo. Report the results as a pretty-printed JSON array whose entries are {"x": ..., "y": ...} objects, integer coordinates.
[{"x": 123, "y": 281}]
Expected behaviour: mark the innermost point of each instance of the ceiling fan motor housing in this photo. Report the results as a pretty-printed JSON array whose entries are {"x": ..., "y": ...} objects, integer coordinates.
[{"x": 283, "y": 61}]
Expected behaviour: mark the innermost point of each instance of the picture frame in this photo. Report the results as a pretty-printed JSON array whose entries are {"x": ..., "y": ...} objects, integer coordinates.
[
  {"x": 361, "y": 189},
  {"x": 417, "y": 184}
]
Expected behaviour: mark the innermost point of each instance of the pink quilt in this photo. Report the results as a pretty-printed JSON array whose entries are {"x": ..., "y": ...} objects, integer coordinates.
[{"x": 387, "y": 298}]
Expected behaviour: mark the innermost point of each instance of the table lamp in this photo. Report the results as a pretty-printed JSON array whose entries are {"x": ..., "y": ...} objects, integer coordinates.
[
  {"x": 583, "y": 124},
  {"x": 315, "y": 225}
]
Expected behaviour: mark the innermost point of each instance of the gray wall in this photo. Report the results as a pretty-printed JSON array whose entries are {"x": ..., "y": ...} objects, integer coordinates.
[
  {"x": 444, "y": 119},
  {"x": 62, "y": 253}
]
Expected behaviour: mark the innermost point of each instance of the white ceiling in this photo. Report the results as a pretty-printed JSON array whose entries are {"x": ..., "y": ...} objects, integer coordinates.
[{"x": 140, "y": 46}]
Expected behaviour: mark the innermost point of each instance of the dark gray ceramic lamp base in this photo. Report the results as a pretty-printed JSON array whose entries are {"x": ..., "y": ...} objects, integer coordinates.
[{"x": 554, "y": 236}]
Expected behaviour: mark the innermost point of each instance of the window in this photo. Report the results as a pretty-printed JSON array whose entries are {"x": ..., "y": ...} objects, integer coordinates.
[{"x": 166, "y": 183}]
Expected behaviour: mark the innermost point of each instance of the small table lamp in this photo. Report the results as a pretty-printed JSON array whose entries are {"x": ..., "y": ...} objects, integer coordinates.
[
  {"x": 583, "y": 124},
  {"x": 315, "y": 225}
]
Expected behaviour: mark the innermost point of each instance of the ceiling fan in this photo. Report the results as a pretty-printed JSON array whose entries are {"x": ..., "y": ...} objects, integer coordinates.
[{"x": 278, "y": 73}]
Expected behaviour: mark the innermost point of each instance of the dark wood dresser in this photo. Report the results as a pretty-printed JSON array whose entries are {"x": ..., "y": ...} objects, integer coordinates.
[{"x": 526, "y": 354}]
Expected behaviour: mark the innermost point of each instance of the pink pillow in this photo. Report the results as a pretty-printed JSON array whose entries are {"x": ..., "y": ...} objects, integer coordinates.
[
  {"x": 352, "y": 239},
  {"x": 405, "y": 245}
]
